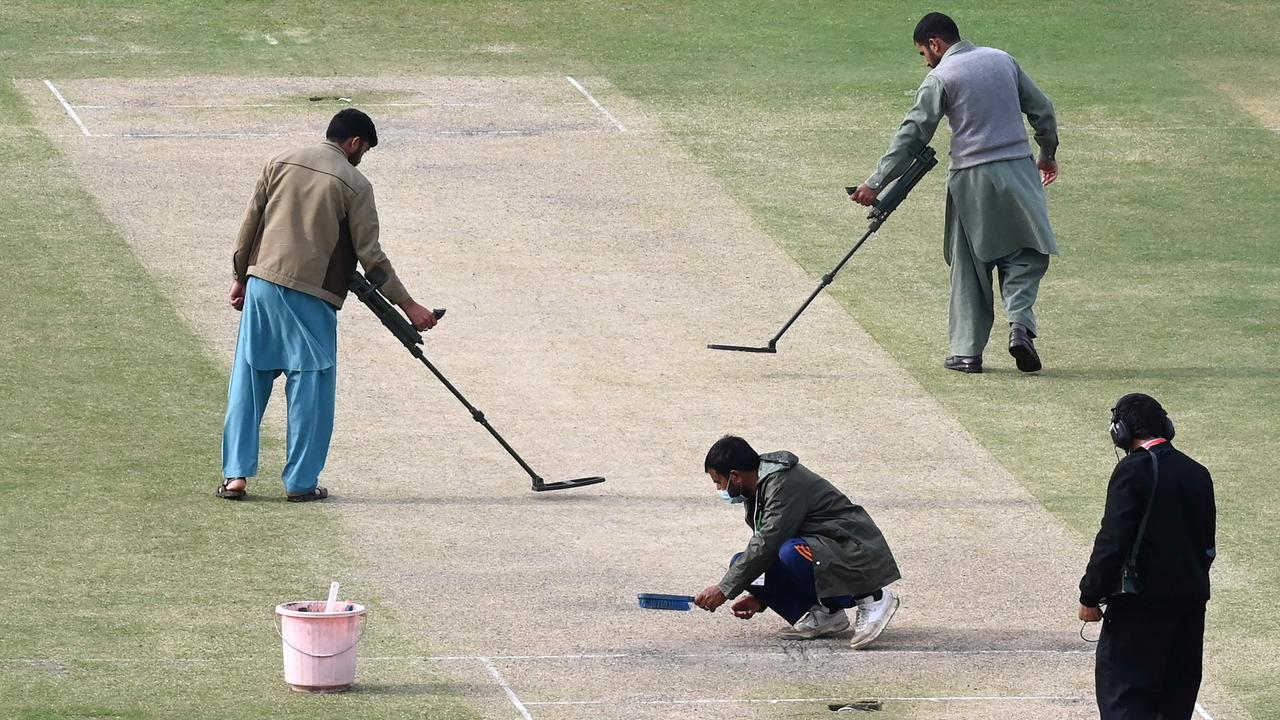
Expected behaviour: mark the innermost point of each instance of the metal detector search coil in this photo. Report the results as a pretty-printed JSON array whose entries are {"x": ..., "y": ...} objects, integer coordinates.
[
  {"x": 880, "y": 211},
  {"x": 366, "y": 288}
]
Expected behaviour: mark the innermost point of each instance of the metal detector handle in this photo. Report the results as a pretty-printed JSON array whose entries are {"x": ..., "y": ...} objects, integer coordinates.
[
  {"x": 884, "y": 205},
  {"x": 366, "y": 287}
]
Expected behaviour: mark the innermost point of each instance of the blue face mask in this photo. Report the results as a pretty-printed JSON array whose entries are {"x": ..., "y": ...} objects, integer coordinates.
[
  {"x": 731, "y": 499},
  {"x": 725, "y": 496}
]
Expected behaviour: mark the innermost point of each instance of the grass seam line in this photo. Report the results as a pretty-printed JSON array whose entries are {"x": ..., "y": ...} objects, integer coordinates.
[{"x": 66, "y": 107}]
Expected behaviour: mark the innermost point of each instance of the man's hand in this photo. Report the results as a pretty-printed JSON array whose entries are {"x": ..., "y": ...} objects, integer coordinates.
[
  {"x": 420, "y": 317},
  {"x": 864, "y": 195},
  {"x": 710, "y": 599},
  {"x": 1048, "y": 172},
  {"x": 1090, "y": 614},
  {"x": 236, "y": 297},
  {"x": 746, "y": 606}
]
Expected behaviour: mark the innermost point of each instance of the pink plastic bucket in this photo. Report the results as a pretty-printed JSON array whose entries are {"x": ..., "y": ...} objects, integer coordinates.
[{"x": 320, "y": 647}]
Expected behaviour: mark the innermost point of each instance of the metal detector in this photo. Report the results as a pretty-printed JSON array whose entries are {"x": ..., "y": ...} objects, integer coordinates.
[
  {"x": 366, "y": 288},
  {"x": 880, "y": 211}
]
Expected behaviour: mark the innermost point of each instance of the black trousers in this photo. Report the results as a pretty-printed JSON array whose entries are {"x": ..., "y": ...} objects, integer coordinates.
[{"x": 1149, "y": 661}]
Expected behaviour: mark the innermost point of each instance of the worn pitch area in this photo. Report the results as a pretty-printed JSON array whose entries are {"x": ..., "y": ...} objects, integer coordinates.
[{"x": 586, "y": 262}]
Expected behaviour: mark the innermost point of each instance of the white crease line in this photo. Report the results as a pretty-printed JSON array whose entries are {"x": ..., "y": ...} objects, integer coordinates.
[
  {"x": 218, "y": 106},
  {"x": 511, "y": 694},
  {"x": 1202, "y": 712},
  {"x": 778, "y": 701},
  {"x": 526, "y": 133},
  {"x": 595, "y": 102},
  {"x": 67, "y": 107},
  {"x": 438, "y": 133},
  {"x": 153, "y": 136},
  {"x": 869, "y": 654},
  {"x": 118, "y": 52},
  {"x": 783, "y": 654}
]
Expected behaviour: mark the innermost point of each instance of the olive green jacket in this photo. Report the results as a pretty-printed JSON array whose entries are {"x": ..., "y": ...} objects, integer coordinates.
[{"x": 850, "y": 555}]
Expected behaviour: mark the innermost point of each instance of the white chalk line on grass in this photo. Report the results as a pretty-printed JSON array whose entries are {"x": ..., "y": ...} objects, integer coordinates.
[
  {"x": 502, "y": 683},
  {"x": 437, "y": 133},
  {"x": 869, "y": 654},
  {"x": 66, "y": 106},
  {"x": 595, "y": 102},
  {"x": 522, "y": 706},
  {"x": 779, "y": 701},
  {"x": 236, "y": 106},
  {"x": 722, "y": 655}
]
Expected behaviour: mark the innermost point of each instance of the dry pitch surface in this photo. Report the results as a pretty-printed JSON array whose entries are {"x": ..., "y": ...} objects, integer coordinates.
[{"x": 586, "y": 262}]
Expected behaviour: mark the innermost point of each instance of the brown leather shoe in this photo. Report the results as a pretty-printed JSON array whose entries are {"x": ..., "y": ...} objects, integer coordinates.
[
  {"x": 1022, "y": 349},
  {"x": 963, "y": 363}
]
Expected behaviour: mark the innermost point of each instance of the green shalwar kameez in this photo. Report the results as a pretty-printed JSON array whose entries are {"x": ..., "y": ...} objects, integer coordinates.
[{"x": 996, "y": 216}]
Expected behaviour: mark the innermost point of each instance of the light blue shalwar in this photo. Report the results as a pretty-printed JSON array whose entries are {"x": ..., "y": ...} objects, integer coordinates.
[{"x": 282, "y": 331}]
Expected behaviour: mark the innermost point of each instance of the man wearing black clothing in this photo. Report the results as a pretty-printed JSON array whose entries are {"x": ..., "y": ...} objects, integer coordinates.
[{"x": 1150, "y": 650}]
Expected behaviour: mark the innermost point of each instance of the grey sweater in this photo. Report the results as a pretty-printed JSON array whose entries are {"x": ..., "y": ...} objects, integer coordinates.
[{"x": 983, "y": 93}]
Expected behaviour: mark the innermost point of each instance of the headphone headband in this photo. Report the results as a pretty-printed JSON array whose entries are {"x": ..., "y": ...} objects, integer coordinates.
[{"x": 1122, "y": 434}]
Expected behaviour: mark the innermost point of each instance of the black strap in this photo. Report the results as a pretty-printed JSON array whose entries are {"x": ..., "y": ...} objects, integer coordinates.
[{"x": 1142, "y": 526}]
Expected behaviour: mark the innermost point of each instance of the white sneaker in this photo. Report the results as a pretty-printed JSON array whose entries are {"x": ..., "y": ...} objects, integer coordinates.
[
  {"x": 818, "y": 622},
  {"x": 873, "y": 617}
]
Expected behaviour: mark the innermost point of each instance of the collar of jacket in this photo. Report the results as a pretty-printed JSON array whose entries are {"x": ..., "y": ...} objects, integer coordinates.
[
  {"x": 959, "y": 47},
  {"x": 774, "y": 462}
]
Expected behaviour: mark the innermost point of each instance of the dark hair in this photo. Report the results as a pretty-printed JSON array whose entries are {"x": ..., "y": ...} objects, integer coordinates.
[
  {"x": 351, "y": 123},
  {"x": 731, "y": 453},
  {"x": 936, "y": 25},
  {"x": 1143, "y": 415}
]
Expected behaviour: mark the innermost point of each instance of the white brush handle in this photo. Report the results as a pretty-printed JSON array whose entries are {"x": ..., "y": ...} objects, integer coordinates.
[{"x": 333, "y": 597}]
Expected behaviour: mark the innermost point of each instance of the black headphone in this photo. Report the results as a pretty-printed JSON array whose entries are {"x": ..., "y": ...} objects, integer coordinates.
[{"x": 1122, "y": 434}]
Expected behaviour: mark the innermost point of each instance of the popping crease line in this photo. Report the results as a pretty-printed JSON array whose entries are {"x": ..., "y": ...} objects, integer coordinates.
[
  {"x": 502, "y": 683},
  {"x": 294, "y": 106},
  {"x": 437, "y": 133},
  {"x": 668, "y": 656},
  {"x": 595, "y": 102},
  {"x": 574, "y": 656},
  {"x": 779, "y": 701},
  {"x": 66, "y": 106}
]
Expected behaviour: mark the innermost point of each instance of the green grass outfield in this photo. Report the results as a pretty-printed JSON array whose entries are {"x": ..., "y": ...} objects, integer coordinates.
[{"x": 1169, "y": 283}]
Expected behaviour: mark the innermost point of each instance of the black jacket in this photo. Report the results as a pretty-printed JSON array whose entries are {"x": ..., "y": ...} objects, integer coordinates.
[{"x": 1178, "y": 547}]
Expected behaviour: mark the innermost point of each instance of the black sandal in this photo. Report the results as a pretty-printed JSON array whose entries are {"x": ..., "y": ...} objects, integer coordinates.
[
  {"x": 318, "y": 494},
  {"x": 227, "y": 493}
]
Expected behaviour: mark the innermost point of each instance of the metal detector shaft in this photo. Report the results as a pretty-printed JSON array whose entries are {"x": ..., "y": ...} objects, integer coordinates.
[
  {"x": 409, "y": 336},
  {"x": 881, "y": 209},
  {"x": 826, "y": 280}
]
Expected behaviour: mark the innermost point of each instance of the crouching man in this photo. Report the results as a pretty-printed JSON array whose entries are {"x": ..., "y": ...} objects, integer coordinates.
[{"x": 819, "y": 554}]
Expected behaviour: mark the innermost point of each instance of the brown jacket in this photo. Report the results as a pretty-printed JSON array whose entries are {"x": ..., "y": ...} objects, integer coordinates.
[{"x": 311, "y": 216}]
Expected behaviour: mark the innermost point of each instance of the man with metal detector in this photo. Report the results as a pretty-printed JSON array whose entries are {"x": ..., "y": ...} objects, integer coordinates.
[
  {"x": 311, "y": 217},
  {"x": 996, "y": 217},
  {"x": 819, "y": 554}
]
